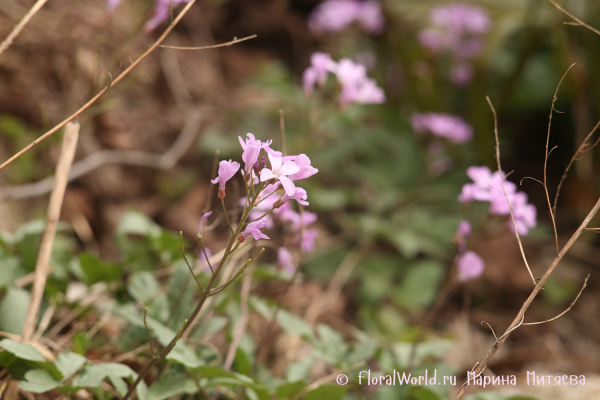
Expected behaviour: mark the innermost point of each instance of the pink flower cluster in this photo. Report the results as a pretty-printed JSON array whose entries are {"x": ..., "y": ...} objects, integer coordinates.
[
  {"x": 470, "y": 264},
  {"x": 458, "y": 29},
  {"x": 487, "y": 186},
  {"x": 160, "y": 14},
  {"x": 448, "y": 126},
  {"x": 335, "y": 15},
  {"x": 356, "y": 86}
]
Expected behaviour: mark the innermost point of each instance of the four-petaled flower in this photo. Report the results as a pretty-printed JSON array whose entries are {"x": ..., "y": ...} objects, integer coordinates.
[
  {"x": 280, "y": 170},
  {"x": 252, "y": 149},
  {"x": 227, "y": 170},
  {"x": 253, "y": 229}
]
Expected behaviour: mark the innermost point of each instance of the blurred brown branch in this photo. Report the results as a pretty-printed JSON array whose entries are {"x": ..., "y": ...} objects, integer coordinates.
[{"x": 17, "y": 29}]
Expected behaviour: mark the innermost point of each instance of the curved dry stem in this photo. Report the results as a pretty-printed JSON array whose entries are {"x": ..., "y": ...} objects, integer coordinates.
[
  {"x": 548, "y": 153},
  {"x": 568, "y": 14},
  {"x": 581, "y": 150},
  {"x": 567, "y": 310},
  {"x": 512, "y": 217},
  {"x": 214, "y": 46}
]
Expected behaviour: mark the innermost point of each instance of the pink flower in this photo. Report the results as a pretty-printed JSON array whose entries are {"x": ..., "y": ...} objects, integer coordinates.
[
  {"x": 299, "y": 195},
  {"x": 365, "y": 92},
  {"x": 443, "y": 125},
  {"x": 203, "y": 220},
  {"x": 280, "y": 171},
  {"x": 470, "y": 266},
  {"x": 321, "y": 65},
  {"x": 162, "y": 12},
  {"x": 253, "y": 229},
  {"x": 333, "y": 15},
  {"x": 308, "y": 239},
  {"x": 306, "y": 170},
  {"x": 251, "y": 149},
  {"x": 285, "y": 260},
  {"x": 461, "y": 74},
  {"x": 464, "y": 229},
  {"x": 461, "y": 18},
  {"x": 350, "y": 73},
  {"x": 227, "y": 170},
  {"x": 295, "y": 219},
  {"x": 370, "y": 17}
]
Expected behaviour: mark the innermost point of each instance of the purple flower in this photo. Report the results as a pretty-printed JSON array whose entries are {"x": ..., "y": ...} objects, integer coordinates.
[
  {"x": 227, "y": 170},
  {"x": 203, "y": 220},
  {"x": 280, "y": 171},
  {"x": 162, "y": 12},
  {"x": 321, "y": 65},
  {"x": 308, "y": 239},
  {"x": 333, "y": 15},
  {"x": 306, "y": 170},
  {"x": 365, "y": 92},
  {"x": 251, "y": 151},
  {"x": 295, "y": 219},
  {"x": 525, "y": 218},
  {"x": 443, "y": 125},
  {"x": 370, "y": 17},
  {"x": 461, "y": 18},
  {"x": 461, "y": 74},
  {"x": 253, "y": 229},
  {"x": 299, "y": 195},
  {"x": 285, "y": 260},
  {"x": 470, "y": 266},
  {"x": 350, "y": 73}
]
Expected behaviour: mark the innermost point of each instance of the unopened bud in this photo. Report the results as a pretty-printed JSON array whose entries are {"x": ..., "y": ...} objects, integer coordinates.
[
  {"x": 221, "y": 193},
  {"x": 241, "y": 238}
]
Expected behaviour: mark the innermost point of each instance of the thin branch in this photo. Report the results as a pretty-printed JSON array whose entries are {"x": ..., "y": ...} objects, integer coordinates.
[
  {"x": 568, "y": 14},
  {"x": 188, "y": 264},
  {"x": 582, "y": 149},
  {"x": 106, "y": 157},
  {"x": 548, "y": 153},
  {"x": 97, "y": 96},
  {"x": 214, "y": 46},
  {"x": 67, "y": 153},
  {"x": 512, "y": 217},
  {"x": 521, "y": 315},
  {"x": 567, "y": 310},
  {"x": 17, "y": 29},
  {"x": 282, "y": 131}
]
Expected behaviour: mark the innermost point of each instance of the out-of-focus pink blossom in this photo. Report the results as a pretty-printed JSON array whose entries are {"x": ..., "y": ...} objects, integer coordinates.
[
  {"x": 333, "y": 15},
  {"x": 162, "y": 12},
  {"x": 280, "y": 171},
  {"x": 203, "y": 220},
  {"x": 470, "y": 266},
  {"x": 443, "y": 125},
  {"x": 321, "y": 65},
  {"x": 461, "y": 74},
  {"x": 365, "y": 92},
  {"x": 299, "y": 195},
  {"x": 370, "y": 17},
  {"x": 350, "y": 73},
  {"x": 253, "y": 229},
  {"x": 227, "y": 170},
  {"x": 296, "y": 219},
  {"x": 487, "y": 186},
  {"x": 308, "y": 239},
  {"x": 285, "y": 260},
  {"x": 461, "y": 18}
]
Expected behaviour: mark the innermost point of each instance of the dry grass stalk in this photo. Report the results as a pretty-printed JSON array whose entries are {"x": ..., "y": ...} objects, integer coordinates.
[{"x": 67, "y": 154}]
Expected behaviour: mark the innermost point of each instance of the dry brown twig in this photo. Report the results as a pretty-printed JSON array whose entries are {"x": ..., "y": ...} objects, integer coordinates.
[
  {"x": 568, "y": 14},
  {"x": 519, "y": 319},
  {"x": 214, "y": 46},
  {"x": 17, "y": 29},
  {"x": 112, "y": 82},
  {"x": 54, "y": 207}
]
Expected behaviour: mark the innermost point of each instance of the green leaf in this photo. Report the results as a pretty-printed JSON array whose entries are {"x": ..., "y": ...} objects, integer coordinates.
[
  {"x": 421, "y": 393},
  {"x": 93, "y": 375},
  {"x": 329, "y": 392},
  {"x": 331, "y": 345},
  {"x": 22, "y": 350},
  {"x": 136, "y": 223},
  {"x": 294, "y": 325},
  {"x": 13, "y": 310},
  {"x": 143, "y": 287},
  {"x": 288, "y": 390},
  {"x": 39, "y": 381},
  {"x": 11, "y": 271},
  {"x": 300, "y": 369},
  {"x": 97, "y": 270},
  {"x": 419, "y": 287},
  {"x": 171, "y": 385},
  {"x": 184, "y": 355},
  {"x": 68, "y": 363}
]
